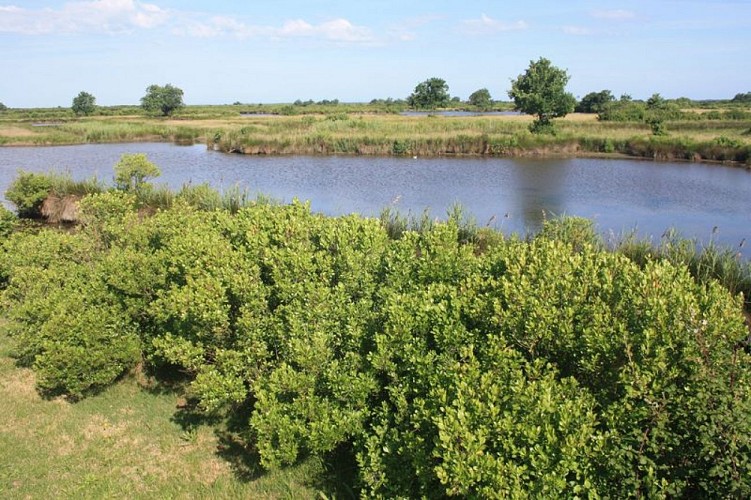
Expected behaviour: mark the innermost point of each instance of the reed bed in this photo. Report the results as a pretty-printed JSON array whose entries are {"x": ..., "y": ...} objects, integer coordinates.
[{"x": 340, "y": 132}]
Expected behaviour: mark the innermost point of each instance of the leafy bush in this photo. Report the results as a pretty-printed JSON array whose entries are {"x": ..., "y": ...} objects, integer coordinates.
[
  {"x": 8, "y": 222},
  {"x": 546, "y": 367},
  {"x": 133, "y": 170},
  {"x": 28, "y": 191}
]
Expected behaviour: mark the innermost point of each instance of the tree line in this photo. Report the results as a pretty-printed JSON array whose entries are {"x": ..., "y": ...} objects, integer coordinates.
[{"x": 540, "y": 91}]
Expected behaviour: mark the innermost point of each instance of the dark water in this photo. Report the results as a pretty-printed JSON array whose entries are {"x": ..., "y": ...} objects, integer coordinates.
[{"x": 701, "y": 201}]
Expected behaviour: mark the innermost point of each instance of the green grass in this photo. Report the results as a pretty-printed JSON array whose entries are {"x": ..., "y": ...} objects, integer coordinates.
[
  {"x": 131, "y": 441},
  {"x": 371, "y": 130}
]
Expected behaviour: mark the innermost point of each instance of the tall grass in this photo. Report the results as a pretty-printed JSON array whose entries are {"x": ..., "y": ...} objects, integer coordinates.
[
  {"x": 706, "y": 262},
  {"x": 358, "y": 129}
]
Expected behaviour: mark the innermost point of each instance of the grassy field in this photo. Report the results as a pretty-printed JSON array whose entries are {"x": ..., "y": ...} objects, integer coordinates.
[
  {"x": 355, "y": 130},
  {"x": 130, "y": 443}
]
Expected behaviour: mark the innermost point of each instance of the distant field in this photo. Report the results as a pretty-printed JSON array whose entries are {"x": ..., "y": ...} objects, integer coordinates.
[{"x": 364, "y": 130}]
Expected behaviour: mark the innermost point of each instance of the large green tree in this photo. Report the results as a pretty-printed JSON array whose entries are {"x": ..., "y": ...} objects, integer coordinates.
[
  {"x": 541, "y": 91},
  {"x": 481, "y": 99},
  {"x": 165, "y": 100},
  {"x": 84, "y": 104},
  {"x": 430, "y": 94}
]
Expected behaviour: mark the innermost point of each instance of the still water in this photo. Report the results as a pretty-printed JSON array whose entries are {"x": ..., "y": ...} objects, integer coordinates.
[{"x": 514, "y": 195}]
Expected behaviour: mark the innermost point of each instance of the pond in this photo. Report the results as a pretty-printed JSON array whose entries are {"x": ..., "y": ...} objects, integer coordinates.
[{"x": 514, "y": 195}]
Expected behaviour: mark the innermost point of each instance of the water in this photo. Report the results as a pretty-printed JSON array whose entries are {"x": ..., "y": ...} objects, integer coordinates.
[{"x": 701, "y": 201}]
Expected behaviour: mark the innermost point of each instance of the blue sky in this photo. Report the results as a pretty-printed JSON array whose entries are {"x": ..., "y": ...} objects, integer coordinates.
[{"x": 222, "y": 51}]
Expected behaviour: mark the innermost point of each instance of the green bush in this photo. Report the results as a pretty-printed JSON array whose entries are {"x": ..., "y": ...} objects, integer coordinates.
[
  {"x": 439, "y": 364},
  {"x": 8, "y": 222},
  {"x": 28, "y": 191}
]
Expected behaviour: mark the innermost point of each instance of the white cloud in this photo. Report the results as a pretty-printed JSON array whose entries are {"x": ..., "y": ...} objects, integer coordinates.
[
  {"x": 340, "y": 30},
  {"x": 337, "y": 30},
  {"x": 577, "y": 30},
  {"x": 97, "y": 16},
  {"x": 125, "y": 16},
  {"x": 614, "y": 15},
  {"x": 487, "y": 25}
]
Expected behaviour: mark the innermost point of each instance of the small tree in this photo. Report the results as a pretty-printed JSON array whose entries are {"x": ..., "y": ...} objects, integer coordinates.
[
  {"x": 165, "y": 100},
  {"x": 541, "y": 91},
  {"x": 84, "y": 104},
  {"x": 595, "y": 102},
  {"x": 430, "y": 94},
  {"x": 481, "y": 99},
  {"x": 132, "y": 171},
  {"x": 3, "y": 107},
  {"x": 656, "y": 101}
]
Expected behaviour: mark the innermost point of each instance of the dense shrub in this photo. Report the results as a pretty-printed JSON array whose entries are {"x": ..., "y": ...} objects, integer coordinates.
[
  {"x": 8, "y": 222},
  {"x": 27, "y": 192},
  {"x": 444, "y": 361}
]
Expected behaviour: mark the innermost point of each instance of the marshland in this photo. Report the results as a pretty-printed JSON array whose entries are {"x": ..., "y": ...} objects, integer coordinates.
[{"x": 701, "y": 132}]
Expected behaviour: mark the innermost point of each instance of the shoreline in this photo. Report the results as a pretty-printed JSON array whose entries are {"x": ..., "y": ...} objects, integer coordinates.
[
  {"x": 536, "y": 152},
  {"x": 725, "y": 142}
]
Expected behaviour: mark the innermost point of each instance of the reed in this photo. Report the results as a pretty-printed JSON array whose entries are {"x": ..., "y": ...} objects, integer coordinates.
[
  {"x": 706, "y": 262},
  {"x": 363, "y": 130}
]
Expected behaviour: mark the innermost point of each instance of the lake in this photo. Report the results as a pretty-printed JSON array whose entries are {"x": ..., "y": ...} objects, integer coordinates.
[{"x": 515, "y": 195}]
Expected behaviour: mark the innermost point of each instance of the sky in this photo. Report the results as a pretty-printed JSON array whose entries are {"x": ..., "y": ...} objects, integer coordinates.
[{"x": 221, "y": 51}]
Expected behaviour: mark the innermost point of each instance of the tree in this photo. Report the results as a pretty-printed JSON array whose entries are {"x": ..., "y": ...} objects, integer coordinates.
[
  {"x": 3, "y": 107},
  {"x": 656, "y": 101},
  {"x": 132, "y": 171},
  {"x": 481, "y": 99},
  {"x": 432, "y": 93},
  {"x": 84, "y": 104},
  {"x": 741, "y": 97},
  {"x": 165, "y": 100},
  {"x": 541, "y": 91},
  {"x": 595, "y": 102}
]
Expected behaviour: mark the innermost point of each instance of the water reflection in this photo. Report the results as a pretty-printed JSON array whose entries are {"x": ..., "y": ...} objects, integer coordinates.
[{"x": 541, "y": 191}]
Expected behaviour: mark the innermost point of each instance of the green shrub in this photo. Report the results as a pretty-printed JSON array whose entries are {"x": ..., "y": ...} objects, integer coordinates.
[
  {"x": 133, "y": 170},
  {"x": 544, "y": 368},
  {"x": 28, "y": 191},
  {"x": 85, "y": 348},
  {"x": 8, "y": 222}
]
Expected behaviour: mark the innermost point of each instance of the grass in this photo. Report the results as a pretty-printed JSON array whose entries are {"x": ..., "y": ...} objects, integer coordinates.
[
  {"x": 131, "y": 441},
  {"x": 368, "y": 130}
]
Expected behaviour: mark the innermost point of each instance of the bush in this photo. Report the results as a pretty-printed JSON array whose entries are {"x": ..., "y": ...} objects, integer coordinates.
[
  {"x": 133, "y": 170},
  {"x": 8, "y": 222},
  {"x": 546, "y": 367},
  {"x": 27, "y": 192}
]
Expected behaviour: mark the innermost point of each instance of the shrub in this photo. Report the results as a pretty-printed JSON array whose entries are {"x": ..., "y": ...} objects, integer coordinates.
[
  {"x": 27, "y": 192},
  {"x": 8, "y": 222},
  {"x": 132, "y": 171},
  {"x": 545, "y": 367}
]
